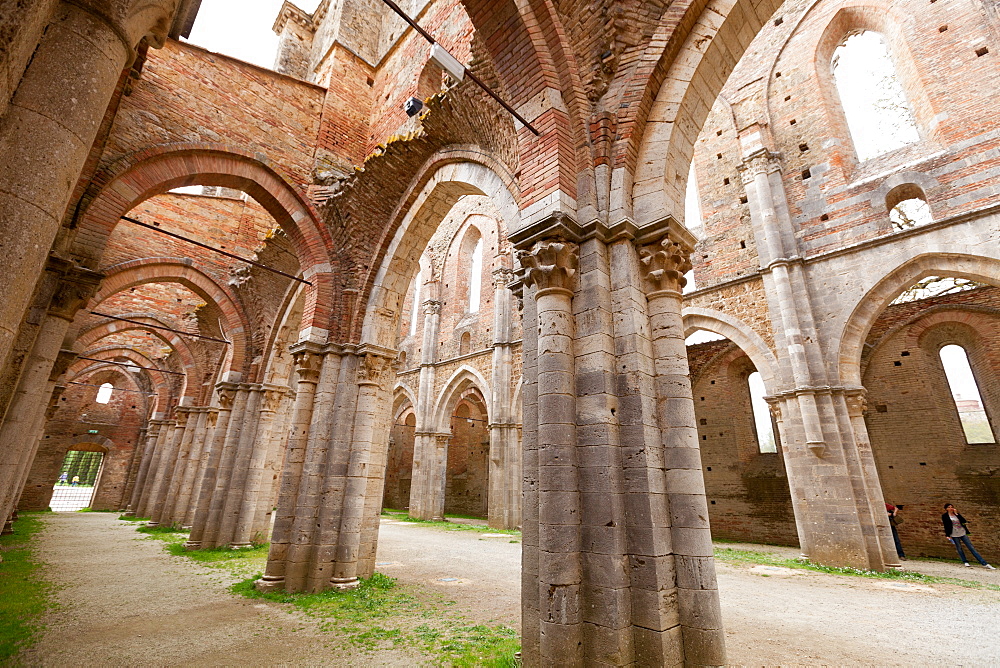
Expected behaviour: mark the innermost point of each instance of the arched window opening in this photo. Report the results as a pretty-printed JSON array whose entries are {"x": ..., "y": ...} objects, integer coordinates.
[
  {"x": 907, "y": 206},
  {"x": 936, "y": 286},
  {"x": 702, "y": 336},
  {"x": 415, "y": 308},
  {"x": 104, "y": 394},
  {"x": 761, "y": 414},
  {"x": 965, "y": 393},
  {"x": 465, "y": 344},
  {"x": 77, "y": 481},
  {"x": 877, "y": 111},
  {"x": 476, "y": 277}
]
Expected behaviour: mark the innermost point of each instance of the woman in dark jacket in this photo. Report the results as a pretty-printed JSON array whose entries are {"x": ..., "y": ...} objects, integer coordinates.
[{"x": 957, "y": 532}]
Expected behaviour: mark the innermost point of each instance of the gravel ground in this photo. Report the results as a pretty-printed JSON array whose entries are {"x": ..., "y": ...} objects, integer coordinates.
[{"x": 126, "y": 602}]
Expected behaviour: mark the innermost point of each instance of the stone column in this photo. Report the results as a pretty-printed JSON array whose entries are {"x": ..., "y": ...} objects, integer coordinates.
[
  {"x": 505, "y": 457},
  {"x": 25, "y": 416},
  {"x": 255, "y": 489},
  {"x": 308, "y": 362},
  {"x": 365, "y": 470},
  {"x": 174, "y": 463},
  {"x": 155, "y": 469},
  {"x": 831, "y": 489},
  {"x": 856, "y": 404},
  {"x": 213, "y": 465},
  {"x": 207, "y": 439},
  {"x": 133, "y": 471},
  {"x": 48, "y": 130},
  {"x": 243, "y": 432},
  {"x": 187, "y": 419},
  {"x": 152, "y": 432},
  {"x": 427, "y": 488},
  {"x": 194, "y": 444},
  {"x": 690, "y": 540},
  {"x": 164, "y": 470},
  {"x": 550, "y": 269}
]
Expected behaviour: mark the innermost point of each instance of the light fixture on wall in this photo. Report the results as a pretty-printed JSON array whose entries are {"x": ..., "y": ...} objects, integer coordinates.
[{"x": 413, "y": 106}]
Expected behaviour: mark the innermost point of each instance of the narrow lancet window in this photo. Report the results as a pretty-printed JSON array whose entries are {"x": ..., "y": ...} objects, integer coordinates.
[
  {"x": 878, "y": 113},
  {"x": 965, "y": 393},
  {"x": 476, "y": 277},
  {"x": 761, "y": 414},
  {"x": 104, "y": 394},
  {"x": 415, "y": 309}
]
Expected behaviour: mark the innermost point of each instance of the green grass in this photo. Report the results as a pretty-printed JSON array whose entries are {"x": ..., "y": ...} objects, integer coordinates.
[
  {"x": 402, "y": 516},
  {"x": 743, "y": 557},
  {"x": 24, "y": 594},
  {"x": 126, "y": 518},
  {"x": 379, "y": 614}
]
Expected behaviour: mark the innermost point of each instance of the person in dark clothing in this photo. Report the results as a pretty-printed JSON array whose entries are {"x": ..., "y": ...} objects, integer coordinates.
[
  {"x": 957, "y": 531},
  {"x": 891, "y": 510}
]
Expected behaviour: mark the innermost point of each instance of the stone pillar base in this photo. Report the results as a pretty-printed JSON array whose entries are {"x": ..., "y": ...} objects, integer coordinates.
[
  {"x": 150, "y": 525},
  {"x": 268, "y": 584},
  {"x": 239, "y": 546},
  {"x": 192, "y": 545},
  {"x": 345, "y": 584}
]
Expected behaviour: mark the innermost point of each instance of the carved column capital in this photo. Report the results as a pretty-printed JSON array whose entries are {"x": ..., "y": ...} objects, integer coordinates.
[
  {"x": 373, "y": 369},
  {"x": 308, "y": 364},
  {"x": 64, "y": 358},
  {"x": 857, "y": 402},
  {"x": 272, "y": 398},
  {"x": 227, "y": 395},
  {"x": 502, "y": 278},
  {"x": 211, "y": 417},
  {"x": 550, "y": 264},
  {"x": 76, "y": 286},
  {"x": 757, "y": 163},
  {"x": 663, "y": 265},
  {"x": 181, "y": 415},
  {"x": 431, "y": 307}
]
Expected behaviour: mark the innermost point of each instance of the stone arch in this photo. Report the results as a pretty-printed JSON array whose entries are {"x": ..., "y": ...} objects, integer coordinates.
[
  {"x": 436, "y": 189},
  {"x": 184, "y": 271},
  {"x": 690, "y": 68},
  {"x": 463, "y": 378},
  {"x": 400, "y": 396},
  {"x": 135, "y": 178},
  {"x": 277, "y": 365},
  {"x": 851, "y": 340},
  {"x": 737, "y": 331}
]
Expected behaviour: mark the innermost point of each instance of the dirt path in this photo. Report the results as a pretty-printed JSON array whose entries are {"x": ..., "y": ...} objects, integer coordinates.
[{"x": 126, "y": 602}]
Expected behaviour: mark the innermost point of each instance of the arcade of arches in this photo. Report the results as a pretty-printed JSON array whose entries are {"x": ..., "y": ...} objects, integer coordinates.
[{"x": 451, "y": 314}]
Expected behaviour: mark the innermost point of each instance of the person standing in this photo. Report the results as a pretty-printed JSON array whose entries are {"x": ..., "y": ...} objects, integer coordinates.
[
  {"x": 892, "y": 511},
  {"x": 957, "y": 531}
]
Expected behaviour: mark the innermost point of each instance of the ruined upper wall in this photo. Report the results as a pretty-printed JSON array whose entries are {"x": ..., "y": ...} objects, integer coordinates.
[{"x": 784, "y": 85}]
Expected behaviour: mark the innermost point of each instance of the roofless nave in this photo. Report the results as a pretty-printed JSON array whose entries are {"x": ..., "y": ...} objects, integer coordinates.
[{"x": 467, "y": 317}]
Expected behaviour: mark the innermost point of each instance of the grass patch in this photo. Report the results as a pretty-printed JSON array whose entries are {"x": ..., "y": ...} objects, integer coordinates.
[
  {"x": 741, "y": 557},
  {"x": 126, "y": 518},
  {"x": 379, "y": 615},
  {"x": 402, "y": 516},
  {"x": 24, "y": 594},
  {"x": 161, "y": 529}
]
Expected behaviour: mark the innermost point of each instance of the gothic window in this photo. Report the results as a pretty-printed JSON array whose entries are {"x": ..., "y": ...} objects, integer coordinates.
[
  {"x": 761, "y": 414},
  {"x": 907, "y": 207},
  {"x": 965, "y": 394},
  {"x": 415, "y": 309},
  {"x": 104, "y": 394},
  {"x": 877, "y": 111},
  {"x": 465, "y": 344},
  {"x": 476, "y": 277}
]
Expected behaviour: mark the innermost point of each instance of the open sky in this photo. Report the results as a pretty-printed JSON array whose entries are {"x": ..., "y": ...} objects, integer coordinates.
[{"x": 241, "y": 29}]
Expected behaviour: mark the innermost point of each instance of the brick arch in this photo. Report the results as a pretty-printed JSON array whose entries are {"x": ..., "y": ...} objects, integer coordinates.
[
  {"x": 157, "y": 379},
  {"x": 135, "y": 178},
  {"x": 698, "y": 54},
  {"x": 91, "y": 336},
  {"x": 122, "y": 276},
  {"x": 464, "y": 379},
  {"x": 445, "y": 178},
  {"x": 855, "y": 328},
  {"x": 97, "y": 442},
  {"x": 741, "y": 334}
]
